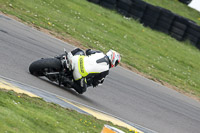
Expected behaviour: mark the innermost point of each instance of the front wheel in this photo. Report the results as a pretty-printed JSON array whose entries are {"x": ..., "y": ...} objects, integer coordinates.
[{"x": 39, "y": 67}]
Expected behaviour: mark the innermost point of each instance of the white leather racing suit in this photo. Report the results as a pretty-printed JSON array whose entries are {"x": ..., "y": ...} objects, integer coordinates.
[{"x": 95, "y": 64}]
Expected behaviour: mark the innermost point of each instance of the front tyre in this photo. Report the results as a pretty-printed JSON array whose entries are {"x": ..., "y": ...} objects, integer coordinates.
[{"x": 39, "y": 67}]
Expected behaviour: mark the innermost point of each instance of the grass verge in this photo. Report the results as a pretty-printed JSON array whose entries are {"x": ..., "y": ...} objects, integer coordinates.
[
  {"x": 20, "y": 113},
  {"x": 154, "y": 53}
]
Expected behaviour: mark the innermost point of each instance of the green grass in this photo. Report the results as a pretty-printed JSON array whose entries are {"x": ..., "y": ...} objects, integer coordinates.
[
  {"x": 151, "y": 52},
  {"x": 20, "y": 113}
]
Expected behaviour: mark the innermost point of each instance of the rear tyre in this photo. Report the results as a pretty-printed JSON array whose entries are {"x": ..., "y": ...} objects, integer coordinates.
[{"x": 38, "y": 67}]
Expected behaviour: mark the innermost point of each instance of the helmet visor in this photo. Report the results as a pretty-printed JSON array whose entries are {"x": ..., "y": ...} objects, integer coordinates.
[{"x": 116, "y": 63}]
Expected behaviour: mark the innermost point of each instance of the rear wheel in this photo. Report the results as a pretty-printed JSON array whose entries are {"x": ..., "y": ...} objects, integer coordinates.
[{"x": 39, "y": 67}]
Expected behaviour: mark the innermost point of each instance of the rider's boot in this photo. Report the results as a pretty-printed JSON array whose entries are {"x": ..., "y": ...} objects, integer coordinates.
[
  {"x": 67, "y": 82},
  {"x": 80, "y": 86}
]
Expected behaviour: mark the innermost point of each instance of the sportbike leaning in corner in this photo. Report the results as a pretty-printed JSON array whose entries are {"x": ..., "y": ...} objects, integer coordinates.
[{"x": 77, "y": 69}]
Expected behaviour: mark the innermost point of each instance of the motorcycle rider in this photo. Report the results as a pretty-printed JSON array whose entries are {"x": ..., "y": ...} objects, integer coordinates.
[{"x": 94, "y": 64}]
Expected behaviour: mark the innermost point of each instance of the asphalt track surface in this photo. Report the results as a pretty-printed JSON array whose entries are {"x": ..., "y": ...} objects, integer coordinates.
[{"x": 124, "y": 93}]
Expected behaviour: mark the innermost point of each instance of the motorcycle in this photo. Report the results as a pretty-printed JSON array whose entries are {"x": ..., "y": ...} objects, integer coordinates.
[{"x": 56, "y": 70}]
